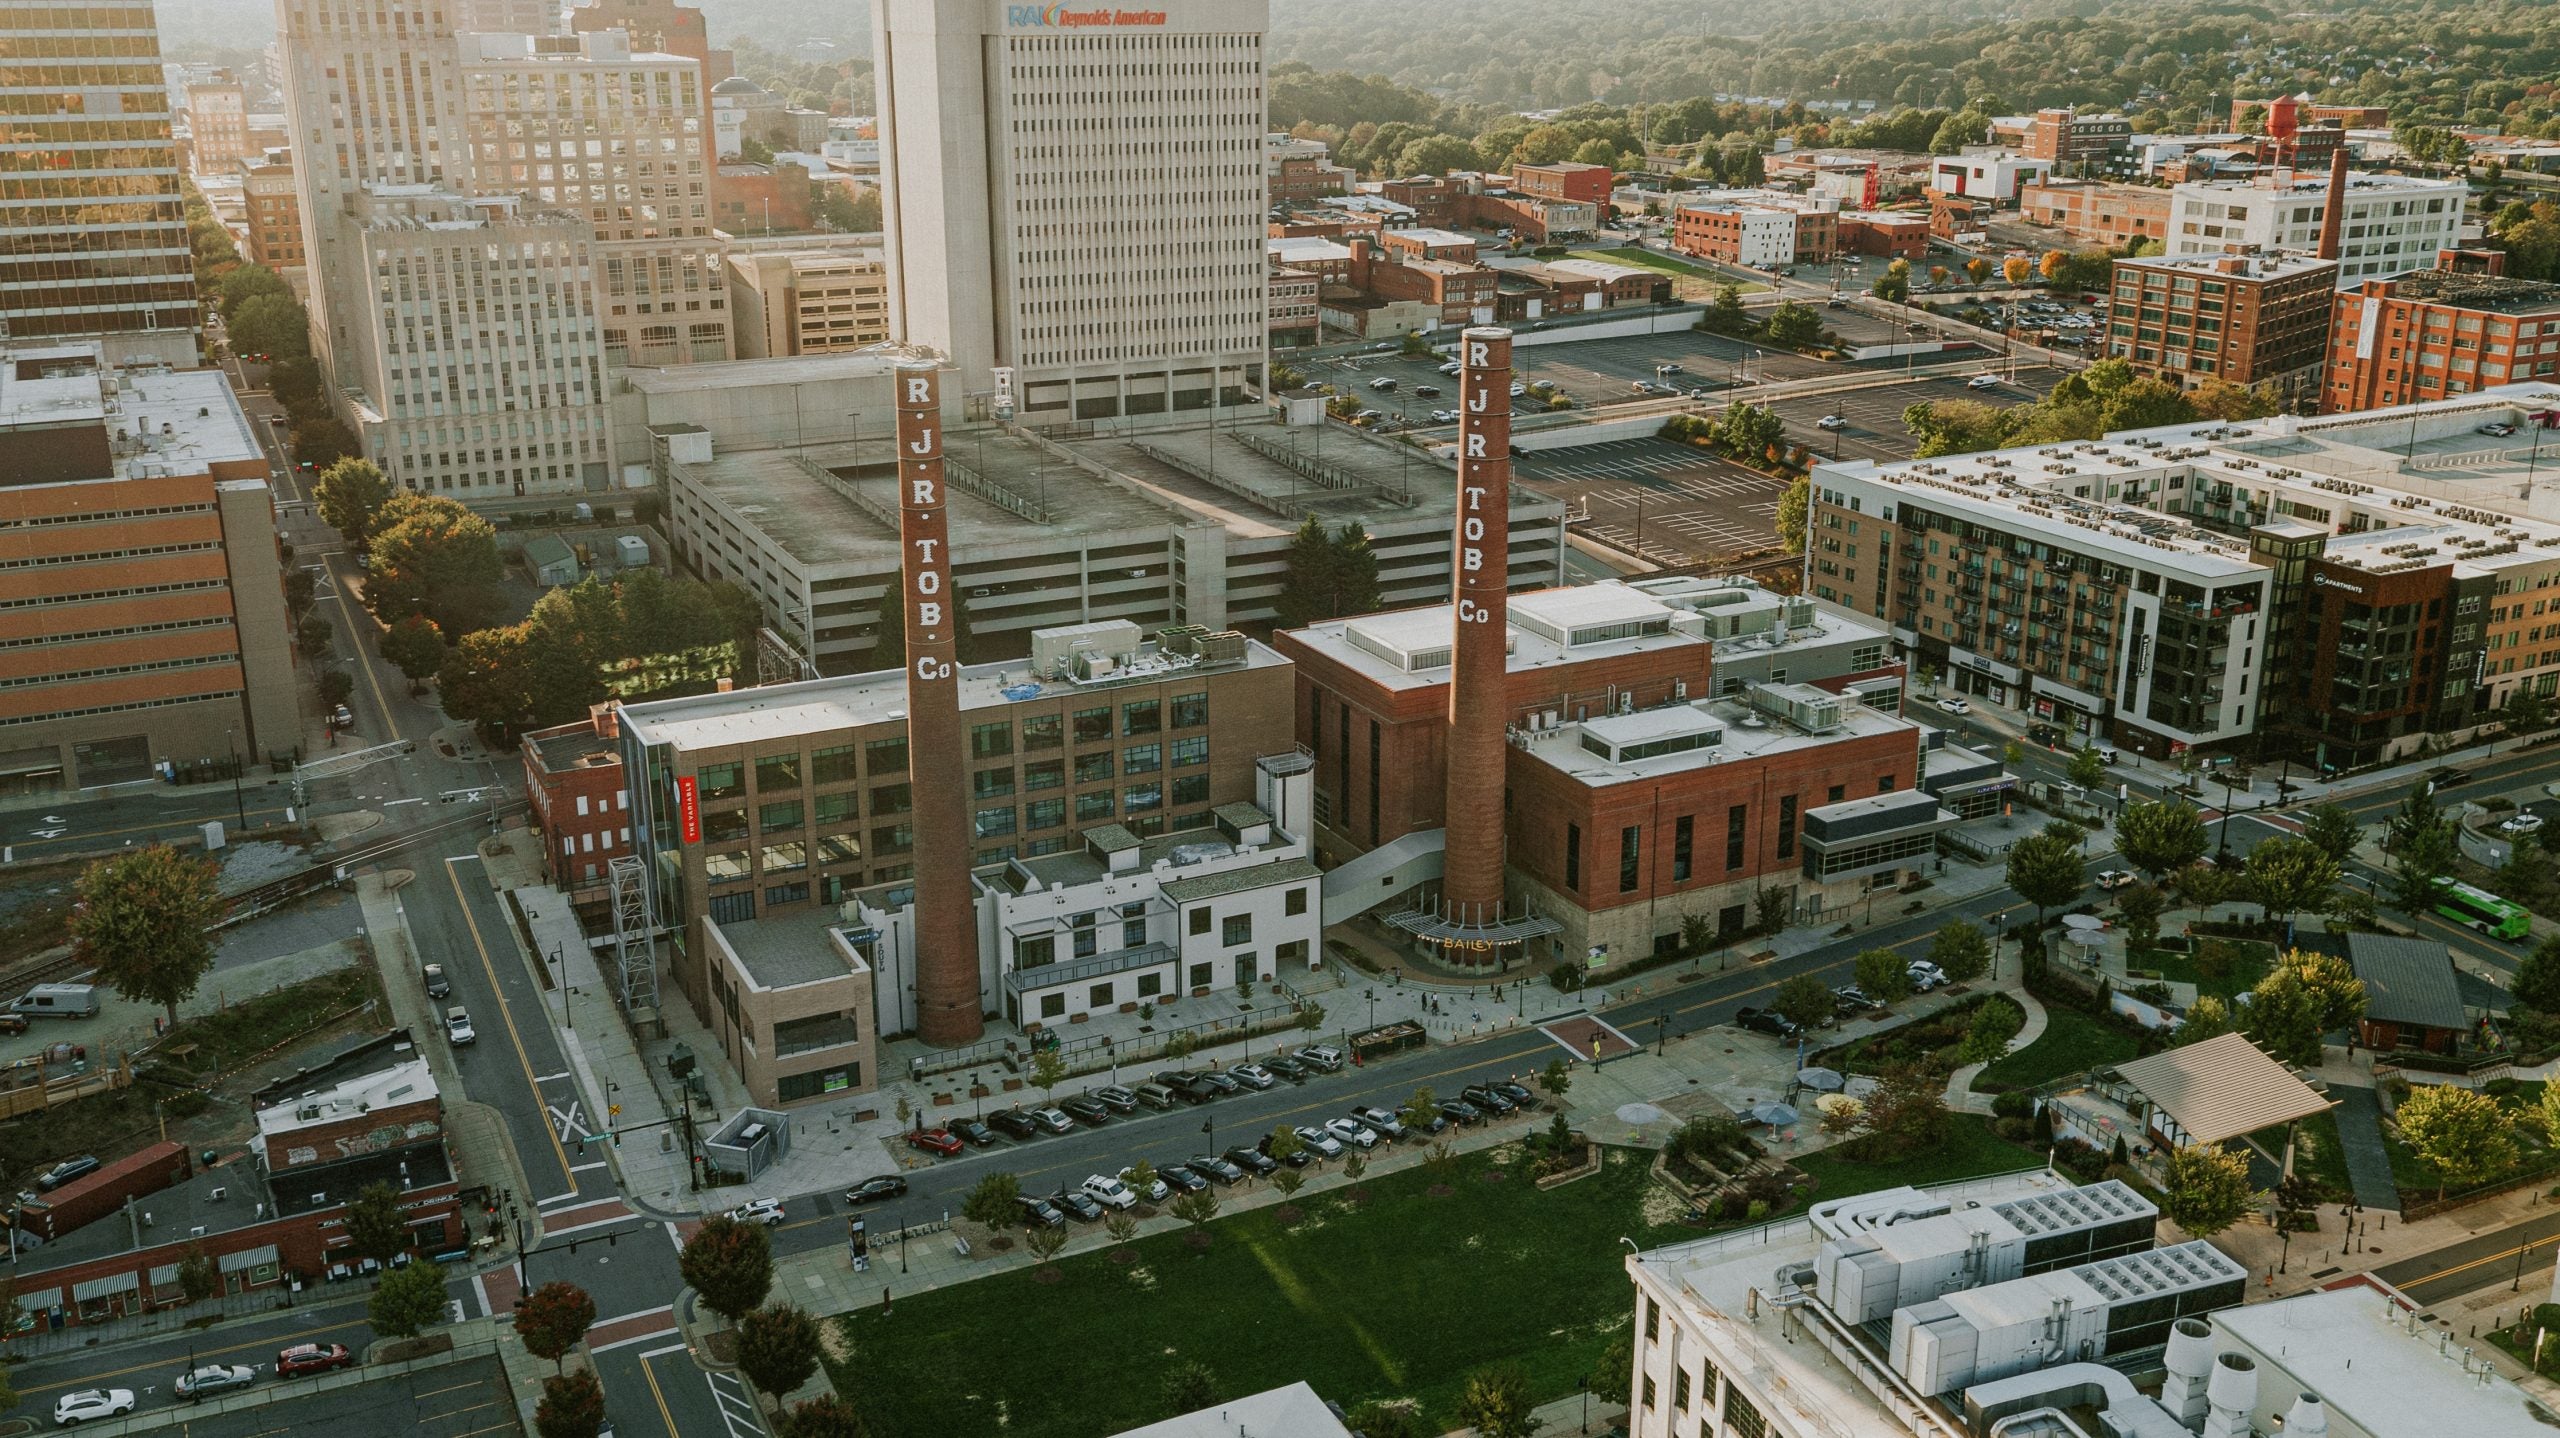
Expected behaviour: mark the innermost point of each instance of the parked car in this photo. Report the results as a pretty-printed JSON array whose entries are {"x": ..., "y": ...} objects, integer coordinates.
[
  {"x": 438, "y": 986},
  {"x": 1382, "y": 384},
  {"x": 1014, "y": 1123},
  {"x": 1087, "y": 1109},
  {"x": 2114, "y": 879},
  {"x": 1152, "y": 1193},
  {"x": 306, "y": 1358},
  {"x": 1767, "y": 1021},
  {"x": 768, "y": 1211},
  {"x": 1319, "y": 1140},
  {"x": 1325, "y": 1058},
  {"x": 1426, "y": 391},
  {"x": 1850, "y": 999},
  {"x": 1252, "y": 1160},
  {"x": 1926, "y": 976},
  {"x": 2044, "y": 734},
  {"x": 457, "y": 1027},
  {"x": 86, "y": 1403},
  {"x": 1452, "y": 367},
  {"x": 65, "y": 1171},
  {"x": 1459, "y": 1111},
  {"x": 1109, "y": 1192},
  {"x": 1444, "y": 416},
  {"x": 1253, "y": 1076},
  {"x": 1387, "y": 1122},
  {"x": 1518, "y": 1093},
  {"x": 214, "y": 1379},
  {"x": 2522, "y": 824},
  {"x": 1040, "y": 1213},
  {"x": 1983, "y": 381},
  {"x": 1352, "y": 1131},
  {"x": 1955, "y": 705},
  {"x": 342, "y": 717},
  {"x": 1077, "y": 1206},
  {"x": 2500, "y": 431},
  {"x": 1483, "y": 1097},
  {"x": 1426, "y": 1124},
  {"x": 1518, "y": 390},
  {"x": 1223, "y": 1083},
  {"x": 1117, "y": 1099},
  {"x": 1053, "y": 1120},
  {"x": 1179, "y": 1177},
  {"x": 974, "y": 1133},
  {"x": 1288, "y": 1068},
  {"x": 1215, "y": 1168},
  {"x": 934, "y": 1140},
  {"x": 871, "y": 1190},
  {"x": 1832, "y": 421}
]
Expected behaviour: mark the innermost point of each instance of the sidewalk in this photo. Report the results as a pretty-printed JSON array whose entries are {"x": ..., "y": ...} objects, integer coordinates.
[{"x": 1960, "y": 1095}]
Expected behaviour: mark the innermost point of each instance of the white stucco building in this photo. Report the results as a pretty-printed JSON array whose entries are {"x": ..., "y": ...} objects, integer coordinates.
[{"x": 2393, "y": 223}]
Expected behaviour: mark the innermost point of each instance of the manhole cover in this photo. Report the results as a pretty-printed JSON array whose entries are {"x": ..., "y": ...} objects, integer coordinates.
[{"x": 1640, "y": 1113}]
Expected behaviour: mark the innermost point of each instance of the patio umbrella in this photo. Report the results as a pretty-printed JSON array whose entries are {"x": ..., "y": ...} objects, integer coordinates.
[
  {"x": 1775, "y": 1115},
  {"x": 1821, "y": 1080}
]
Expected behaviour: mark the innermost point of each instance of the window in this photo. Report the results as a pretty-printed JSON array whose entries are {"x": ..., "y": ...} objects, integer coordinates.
[
  {"x": 892, "y": 799},
  {"x": 1190, "y": 711},
  {"x": 892, "y": 839},
  {"x": 1053, "y": 1006},
  {"x": 1093, "y": 767},
  {"x": 990, "y": 741},
  {"x": 1236, "y": 929},
  {"x": 1648, "y": 1390},
  {"x": 1736, "y": 823},
  {"x": 1630, "y": 849},
  {"x": 1680, "y": 1390},
  {"x": 1043, "y": 731},
  {"x": 1191, "y": 751},
  {"x": 991, "y": 783},
  {"x": 779, "y": 816},
  {"x": 783, "y": 858},
  {"x": 1140, "y": 798},
  {"x": 1198, "y": 921},
  {"x": 1093, "y": 725},
  {"x": 835, "y": 808},
  {"x": 1093, "y": 806},
  {"x": 1786, "y": 826},
  {"x": 1190, "y": 789},
  {"x": 840, "y": 849},
  {"x": 1142, "y": 759},
  {"x": 719, "y": 781},
  {"x": 1141, "y": 716},
  {"x": 1295, "y": 903},
  {"x": 776, "y": 894},
  {"x": 1044, "y": 813},
  {"x": 1652, "y": 1320},
  {"x": 792, "y": 1087},
  {"x": 1682, "y": 831},
  {"x": 1099, "y": 997},
  {"x": 817, "y": 1031},
  {"x": 732, "y": 908},
  {"x": 988, "y": 823},
  {"x": 724, "y": 827},
  {"x": 831, "y": 766},
  {"x": 885, "y": 756},
  {"x": 1150, "y": 985},
  {"x": 1573, "y": 857},
  {"x": 1046, "y": 774},
  {"x": 777, "y": 771}
]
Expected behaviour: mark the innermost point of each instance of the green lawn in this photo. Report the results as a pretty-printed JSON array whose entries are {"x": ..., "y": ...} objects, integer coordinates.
[
  {"x": 2316, "y": 1155},
  {"x": 1644, "y": 259},
  {"x": 2251, "y": 965},
  {"x": 2071, "y": 1041},
  {"x": 1971, "y": 1150},
  {"x": 1401, "y": 1297}
]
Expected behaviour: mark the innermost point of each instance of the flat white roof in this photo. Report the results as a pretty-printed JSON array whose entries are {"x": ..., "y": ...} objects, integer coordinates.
[
  {"x": 1434, "y": 238},
  {"x": 1306, "y": 249},
  {"x": 401, "y": 1083},
  {"x": 2353, "y": 1347},
  {"x": 1292, "y": 1412}
]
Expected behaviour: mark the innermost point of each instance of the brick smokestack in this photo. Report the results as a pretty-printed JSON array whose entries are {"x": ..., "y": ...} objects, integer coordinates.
[
  {"x": 1471, "y": 884},
  {"x": 2333, "y": 215},
  {"x": 949, "y": 1007}
]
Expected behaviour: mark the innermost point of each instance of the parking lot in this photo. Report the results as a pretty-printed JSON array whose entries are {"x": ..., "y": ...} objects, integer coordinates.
[
  {"x": 457, "y": 1401},
  {"x": 1669, "y": 503},
  {"x": 1874, "y": 429}
]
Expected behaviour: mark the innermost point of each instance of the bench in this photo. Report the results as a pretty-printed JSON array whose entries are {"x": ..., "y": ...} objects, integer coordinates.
[{"x": 960, "y": 1245}]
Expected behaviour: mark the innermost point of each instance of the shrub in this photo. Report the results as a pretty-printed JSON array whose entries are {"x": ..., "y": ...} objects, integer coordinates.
[
  {"x": 1735, "y": 1206},
  {"x": 2016, "y": 1103}
]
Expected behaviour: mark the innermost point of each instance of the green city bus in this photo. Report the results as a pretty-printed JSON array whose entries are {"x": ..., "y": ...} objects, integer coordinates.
[{"x": 2474, "y": 909}]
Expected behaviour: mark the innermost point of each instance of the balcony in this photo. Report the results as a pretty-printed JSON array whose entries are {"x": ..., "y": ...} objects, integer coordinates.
[{"x": 1118, "y": 961}]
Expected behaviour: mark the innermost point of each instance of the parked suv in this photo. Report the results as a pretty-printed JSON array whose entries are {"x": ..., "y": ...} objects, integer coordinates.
[{"x": 1767, "y": 1021}]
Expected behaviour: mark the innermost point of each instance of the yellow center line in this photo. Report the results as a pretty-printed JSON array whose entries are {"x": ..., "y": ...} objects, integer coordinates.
[
  {"x": 455, "y": 1388},
  {"x": 2524, "y": 1248},
  {"x": 507, "y": 1016},
  {"x": 357, "y": 631},
  {"x": 95, "y": 1379},
  {"x": 649, "y": 1370}
]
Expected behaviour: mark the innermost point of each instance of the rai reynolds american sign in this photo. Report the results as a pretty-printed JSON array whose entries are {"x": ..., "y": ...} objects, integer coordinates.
[{"x": 1073, "y": 17}]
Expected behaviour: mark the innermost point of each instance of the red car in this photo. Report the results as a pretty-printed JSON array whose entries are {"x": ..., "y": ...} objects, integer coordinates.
[
  {"x": 305, "y": 1358},
  {"x": 935, "y": 1140}
]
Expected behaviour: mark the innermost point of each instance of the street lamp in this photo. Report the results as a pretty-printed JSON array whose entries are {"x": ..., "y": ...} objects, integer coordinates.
[
  {"x": 239, "y": 806},
  {"x": 568, "y": 1016}
]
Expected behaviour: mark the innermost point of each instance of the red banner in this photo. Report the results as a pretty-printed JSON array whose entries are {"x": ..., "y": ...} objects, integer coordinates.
[{"x": 689, "y": 808}]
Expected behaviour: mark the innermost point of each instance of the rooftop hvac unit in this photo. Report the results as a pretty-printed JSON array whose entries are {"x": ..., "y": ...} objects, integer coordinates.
[{"x": 1225, "y": 646}]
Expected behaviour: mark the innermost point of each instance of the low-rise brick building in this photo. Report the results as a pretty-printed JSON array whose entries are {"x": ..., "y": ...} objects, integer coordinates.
[
  {"x": 2437, "y": 333},
  {"x": 2249, "y": 319},
  {"x": 2098, "y": 212},
  {"x": 573, "y": 778},
  {"x": 1565, "y": 180}
]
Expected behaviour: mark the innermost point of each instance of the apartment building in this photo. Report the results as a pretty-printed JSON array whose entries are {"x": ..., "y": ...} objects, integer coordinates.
[
  {"x": 2099, "y": 212},
  {"x": 1565, "y": 180},
  {"x": 2197, "y": 585},
  {"x": 2246, "y": 318},
  {"x": 94, "y": 229},
  {"x": 274, "y": 202},
  {"x": 1295, "y": 307},
  {"x": 633, "y": 121},
  {"x": 2391, "y": 224},
  {"x": 1758, "y": 229},
  {"x": 478, "y": 357},
  {"x": 2438, "y": 333},
  {"x": 807, "y": 299},
  {"x": 142, "y": 609},
  {"x": 218, "y": 124},
  {"x": 1011, "y": 246}
]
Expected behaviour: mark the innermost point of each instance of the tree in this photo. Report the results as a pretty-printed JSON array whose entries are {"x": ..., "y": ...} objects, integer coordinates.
[
  {"x": 1044, "y": 1241},
  {"x": 143, "y": 922},
  {"x": 1987, "y": 1037},
  {"x": 1284, "y": 1144},
  {"x": 2305, "y": 996},
  {"x": 1306, "y": 595},
  {"x": 995, "y": 1202},
  {"x": 1883, "y": 975},
  {"x": 270, "y": 324},
  {"x": 1048, "y": 1070},
  {"x": 350, "y": 495},
  {"x": 1894, "y": 285},
  {"x": 1795, "y": 518},
  {"x": 2417, "y": 814},
  {"x": 1961, "y": 951},
  {"x": 2141, "y": 907},
  {"x": 1773, "y": 907},
  {"x": 1437, "y": 155},
  {"x": 2160, "y": 836},
  {"x": 728, "y": 1263},
  {"x": 1555, "y": 1078},
  {"x": 2088, "y": 767},
  {"x": 336, "y": 686},
  {"x": 1495, "y": 1403},
  {"x": 415, "y": 647},
  {"x": 2046, "y": 868},
  {"x": 778, "y": 1347},
  {"x": 1977, "y": 269},
  {"x": 1289, "y": 1181},
  {"x": 245, "y": 284},
  {"x": 2218, "y": 398},
  {"x": 1420, "y": 1109},
  {"x": 199, "y": 1277},
  {"x": 1142, "y": 1177},
  {"x": 2421, "y": 859},
  {"x": 2207, "y": 1018},
  {"x": 2526, "y": 711},
  {"x": 2016, "y": 268},
  {"x": 1794, "y": 326},
  {"x": 1189, "y": 1386},
  {"x": 2289, "y": 875},
  {"x": 1906, "y": 1113},
  {"x": 2461, "y": 1134},
  {"x": 1390, "y": 1418},
  {"x": 553, "y": 1319},
  {"x": 825, "y": 1416},
  {"x": 1805, "y": 1000},
  {"x": 2536, "y": 985},
  {"x": 374, "y": 1226},
  {"x": 408, "y": 1299},
  {"x": 572, "y": 1406},
  {"x": 1121, "y": 1224},
  {"x": 2206, "y": 1189},
  {"x": 1725, "y": 315},
  {"x": 2333, "y": 829},
  {"x": 314, "y": 636},
  {"x": 431, "y": 556},
  {"x": 1358, "y": 572}
]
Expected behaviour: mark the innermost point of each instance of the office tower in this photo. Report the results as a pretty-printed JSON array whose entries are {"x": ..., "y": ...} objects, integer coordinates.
[
  {"x": 217, "y": 123},
  {"x": 507, "y": 17},
  {"x": 1079, "y": 203},
  {"x": 793, "y": 297},
  {"x": 95, "y": 227},
  {"x": 590, "y": 125}
]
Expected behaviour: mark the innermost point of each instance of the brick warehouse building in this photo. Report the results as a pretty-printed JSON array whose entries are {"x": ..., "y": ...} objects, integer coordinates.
[
  {"x": 1658, "y": 765},
  {"x": 2249, "y": 319},
  {"x": 573, "y": 778},
  {"x": 2437, "y": 333}
]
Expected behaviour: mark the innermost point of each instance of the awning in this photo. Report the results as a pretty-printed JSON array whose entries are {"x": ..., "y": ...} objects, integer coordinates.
[
  {"x": 248, "y": 1258},
  {"x": 97, "y": 1288},
  {"x": 163, "y": 1276},
  {"x": 37, "y": 1300}
]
